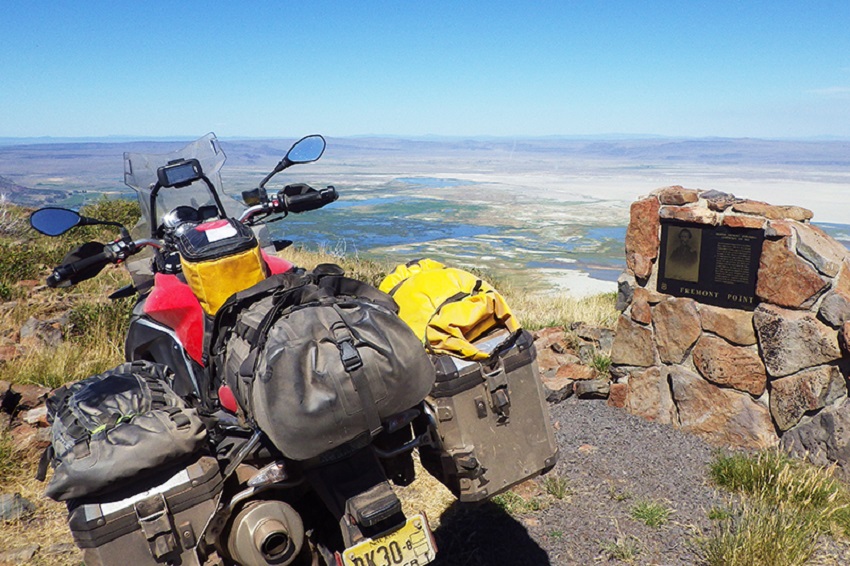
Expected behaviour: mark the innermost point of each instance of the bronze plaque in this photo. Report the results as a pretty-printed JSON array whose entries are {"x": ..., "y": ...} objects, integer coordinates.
[{"x": 710, "y": 264}]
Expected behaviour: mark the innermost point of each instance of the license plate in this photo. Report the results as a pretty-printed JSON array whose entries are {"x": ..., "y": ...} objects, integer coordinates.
[{"x": 411, "y": 545}]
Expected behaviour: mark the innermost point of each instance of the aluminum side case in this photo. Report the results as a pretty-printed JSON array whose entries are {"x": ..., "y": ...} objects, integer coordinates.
[
  {"x": 152, "y": 522},
  {"x": 492, "y": 420}
]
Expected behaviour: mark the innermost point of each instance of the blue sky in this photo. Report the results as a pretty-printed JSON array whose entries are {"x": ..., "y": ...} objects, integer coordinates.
[{"x": 679, "y": 68}]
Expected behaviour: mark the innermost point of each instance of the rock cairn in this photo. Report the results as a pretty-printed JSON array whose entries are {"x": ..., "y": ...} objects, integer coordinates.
[{"x": 739, "y": 378}]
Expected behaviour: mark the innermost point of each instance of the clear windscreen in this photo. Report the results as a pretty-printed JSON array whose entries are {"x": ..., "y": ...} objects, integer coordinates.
[{"x": 140, "y": 174}]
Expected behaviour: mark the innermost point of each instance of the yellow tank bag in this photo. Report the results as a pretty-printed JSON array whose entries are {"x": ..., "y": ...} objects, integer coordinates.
[{"x": 448, "y": 308}]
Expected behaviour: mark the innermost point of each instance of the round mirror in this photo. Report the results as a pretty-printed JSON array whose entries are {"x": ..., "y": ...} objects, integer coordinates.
[
  {"x": 54, "y": 221},
  {"x": 306, "y": 149}
]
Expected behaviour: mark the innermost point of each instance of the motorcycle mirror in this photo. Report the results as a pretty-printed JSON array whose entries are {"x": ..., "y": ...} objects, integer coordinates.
[
  {"x": 306, "y": 150},
  {"x": 52, "y": 221}
]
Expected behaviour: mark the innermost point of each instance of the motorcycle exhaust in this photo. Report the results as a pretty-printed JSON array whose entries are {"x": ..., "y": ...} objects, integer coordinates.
[{"x": 266, "y": 532}]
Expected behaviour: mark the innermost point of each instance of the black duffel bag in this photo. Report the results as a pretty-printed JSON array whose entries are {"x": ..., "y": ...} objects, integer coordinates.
[
  {"x": 116, "y": 427},
  {"x": 318, "y": 361}
]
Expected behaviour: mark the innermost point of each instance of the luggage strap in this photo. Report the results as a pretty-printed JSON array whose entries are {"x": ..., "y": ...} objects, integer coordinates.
[
  {"x": 353, "y": 365},
  {"x": 155, "y": 521}
]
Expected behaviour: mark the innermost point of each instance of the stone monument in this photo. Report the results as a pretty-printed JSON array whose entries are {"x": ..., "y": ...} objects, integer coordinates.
[{"x": 734, "y": 323}]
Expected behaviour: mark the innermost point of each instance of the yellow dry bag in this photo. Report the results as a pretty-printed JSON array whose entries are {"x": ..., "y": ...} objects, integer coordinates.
[{"x": 447, "y": 308}]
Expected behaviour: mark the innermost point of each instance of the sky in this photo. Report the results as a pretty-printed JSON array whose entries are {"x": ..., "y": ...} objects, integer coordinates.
[{"x": 766, "y": 69}]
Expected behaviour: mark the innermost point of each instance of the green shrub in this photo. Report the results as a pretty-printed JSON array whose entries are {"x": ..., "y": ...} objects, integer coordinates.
[
  {"x": 624, "y": 549},
  {"x": 651, "y": 513},
  {"x": 556, "y": 486},
  {"x": 514, "y": 504}
]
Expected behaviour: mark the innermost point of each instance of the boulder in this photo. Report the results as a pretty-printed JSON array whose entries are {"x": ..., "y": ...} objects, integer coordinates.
[
  {"x": 778, "y": 229},
  {"x": 618, "y": 395},
  {"x": 19, "y": 555},
  {"x": 824, "y": 439},
  {"x": 36, "y": 417},
  {"x": 557, "y": 388},
  {"x": 576, "y": 372},
  {"x": 649, "y": 396},
  {"x": 548, "y": 359},
  {"x": 793, "y": 396},
  {"x": 719, "y": 201},
  {"x": 792, "y": 340},
  {"x": 695, "y": 214},
  {"x": 30, "y": 395},
  {"x": 835, "y": 307},
  {"x": 9, "y": 352},
  {"x": 632, "y": 344},
  {"x": 724, "y": 417},
  {"x": 784, "y": 279},
  {"x": 732, "y": 366},
  {"x": 737, "y": 221},
  {"x": 625, "y": 289},
  {"x": 773, "y": 212},
  {"x": 642, "y": 237},
  {"x": 676, "y": 195},
  {"x": 47, "y": 332},
  {"x": 844, "y": 337},
  {"x": 14, "y": 507},
  {"x": 734, "y": 325},
  {"x": 593, "y": 389},
  {"x": 641, "y": 313},
  {"x": 30, "y": 439},
  {"x": 815, "y": 245},
  {"x": 677, "y": 327},
  {"x": 546, "y": 337}
]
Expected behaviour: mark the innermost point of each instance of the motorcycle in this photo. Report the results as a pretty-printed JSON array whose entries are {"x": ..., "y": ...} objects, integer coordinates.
[{"x": 271, "y": 509}]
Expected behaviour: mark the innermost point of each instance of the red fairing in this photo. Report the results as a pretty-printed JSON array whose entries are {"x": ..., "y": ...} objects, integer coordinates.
[
  {"x": 173, "y": 304},
  {"x": 276, "y": 264}
]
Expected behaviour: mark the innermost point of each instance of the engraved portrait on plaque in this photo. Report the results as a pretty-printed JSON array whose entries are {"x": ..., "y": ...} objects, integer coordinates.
[
  {"x": 717, "y": 265},
  {"x": 683, "y": 255}
]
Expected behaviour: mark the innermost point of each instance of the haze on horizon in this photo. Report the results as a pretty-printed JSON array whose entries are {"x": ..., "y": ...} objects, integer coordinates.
[{"x": 763, "y": 69}]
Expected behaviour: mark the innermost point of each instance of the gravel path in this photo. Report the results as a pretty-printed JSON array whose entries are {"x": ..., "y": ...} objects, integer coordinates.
[{"x": 611, "y": 461}]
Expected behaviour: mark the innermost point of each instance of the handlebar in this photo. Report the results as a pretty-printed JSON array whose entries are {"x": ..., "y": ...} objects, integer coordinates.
[
  {"x": 65, "y": 272},
  {"x": 297, "y": 203},
  {"x": 121, "y": 249},
  {"x": 112, "y": 253},
  {"x": 309, "y": 201}
]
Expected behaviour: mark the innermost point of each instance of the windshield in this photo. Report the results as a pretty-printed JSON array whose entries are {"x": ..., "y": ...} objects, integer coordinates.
[{"x": 140, "y": 175}]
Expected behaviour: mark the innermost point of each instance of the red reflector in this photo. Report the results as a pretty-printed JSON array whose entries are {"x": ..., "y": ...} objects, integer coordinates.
[{"x": 227, "y": 399}]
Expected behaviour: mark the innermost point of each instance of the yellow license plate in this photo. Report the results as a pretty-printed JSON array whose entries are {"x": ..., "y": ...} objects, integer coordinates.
[{"x": 411, "y": 545}]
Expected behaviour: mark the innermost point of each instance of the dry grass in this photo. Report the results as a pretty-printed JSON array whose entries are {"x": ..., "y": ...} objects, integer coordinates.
[
  {"x": 46, "y": 527},
  {"x": 371, "y": 272},
  {"x": 425, "y": 494},
  {"x": 541, "y": 311},
  {"x": 787, "y": 507}
]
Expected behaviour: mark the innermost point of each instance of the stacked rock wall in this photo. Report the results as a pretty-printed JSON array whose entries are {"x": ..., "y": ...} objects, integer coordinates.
[{"x": 738, "y": 377}]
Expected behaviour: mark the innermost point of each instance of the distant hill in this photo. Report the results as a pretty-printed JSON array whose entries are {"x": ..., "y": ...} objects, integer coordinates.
[{"x": 26, "y": 196}]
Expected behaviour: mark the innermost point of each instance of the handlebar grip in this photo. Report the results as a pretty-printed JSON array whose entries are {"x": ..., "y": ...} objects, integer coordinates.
[
  {"x": 65, "y": 272},
  {"x": 310, "y": 201}
]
